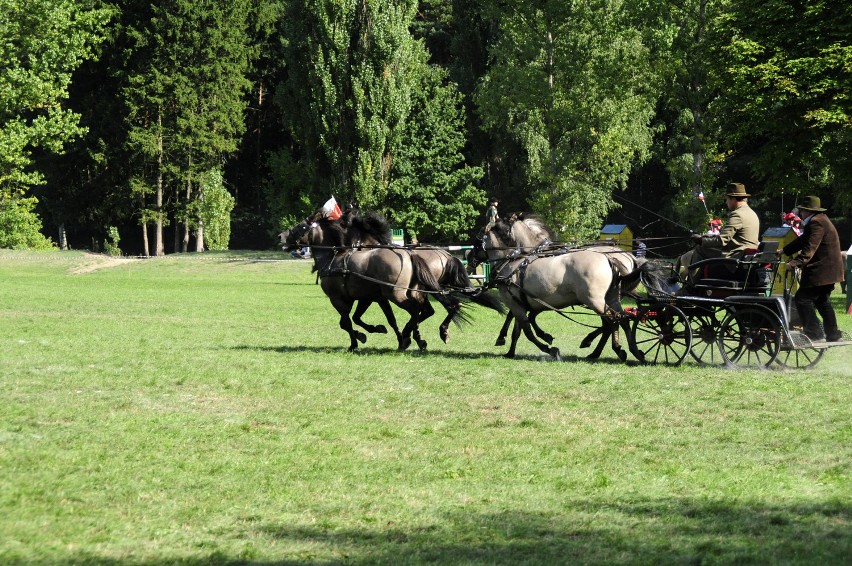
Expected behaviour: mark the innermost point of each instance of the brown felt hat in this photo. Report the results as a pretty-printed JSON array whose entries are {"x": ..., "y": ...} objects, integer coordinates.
[
  {"x": 736, "y": 190},
  {"x": 811, "y": 203}
]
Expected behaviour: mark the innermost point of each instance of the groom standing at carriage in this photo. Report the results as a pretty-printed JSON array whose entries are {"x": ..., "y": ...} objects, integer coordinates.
[
  {"x": 740, "y": 232},
  {"x": 822, "y": 266}
]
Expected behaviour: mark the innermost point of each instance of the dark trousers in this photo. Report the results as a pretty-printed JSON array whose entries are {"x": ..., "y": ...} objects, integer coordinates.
[{"x": 809, "y": 300}]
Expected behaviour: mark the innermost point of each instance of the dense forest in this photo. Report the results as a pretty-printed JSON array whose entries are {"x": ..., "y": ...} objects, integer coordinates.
[{"x": 159, "y": 127}]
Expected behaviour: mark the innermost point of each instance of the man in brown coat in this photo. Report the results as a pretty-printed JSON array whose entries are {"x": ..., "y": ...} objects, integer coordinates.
[{"x": 822, "y": 266}]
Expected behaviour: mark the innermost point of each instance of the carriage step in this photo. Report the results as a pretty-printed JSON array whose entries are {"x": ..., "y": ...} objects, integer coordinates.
[{"x": 801, "y": 341}]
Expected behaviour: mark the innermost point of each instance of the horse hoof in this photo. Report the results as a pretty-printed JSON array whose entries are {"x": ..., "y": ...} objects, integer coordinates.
[
  {"x": 422, "y": 345},
  {"x": 556, "y": 355},
  {"x": 404, "y": 344},
  {"x": 509, "y": 355},
  {"x": 593, "y": 356},
  {"x": 622, "y": 355},
  {"x": 500, "y": 342},
  {"x": 547, "y": 338},
  {"x": 362, "y": 338},
  {"x": 445, "y": 335},
  {"x": 584, "y": 344},
  {"x": 380, "y": 329}
]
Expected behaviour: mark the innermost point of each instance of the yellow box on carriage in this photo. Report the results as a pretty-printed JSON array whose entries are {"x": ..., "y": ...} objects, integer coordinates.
[{"x": 619, "y": 234}]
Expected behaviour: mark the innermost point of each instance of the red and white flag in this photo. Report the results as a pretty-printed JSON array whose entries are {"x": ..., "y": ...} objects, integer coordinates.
[
  {"x": 331, "y": 209},
  {"x": 700, "y": 195}
]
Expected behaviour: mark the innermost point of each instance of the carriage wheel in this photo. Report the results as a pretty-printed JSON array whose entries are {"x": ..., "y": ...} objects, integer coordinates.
[
  {"x": 800, "y": 359},
  {"x": 662, "y": 334},
  {"x": 705, "y": 333},
  {"x": 749, "y": 338}
]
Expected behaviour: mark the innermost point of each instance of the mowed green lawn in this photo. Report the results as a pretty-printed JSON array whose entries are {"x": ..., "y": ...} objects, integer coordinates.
[{"x": 204, "y": 409}]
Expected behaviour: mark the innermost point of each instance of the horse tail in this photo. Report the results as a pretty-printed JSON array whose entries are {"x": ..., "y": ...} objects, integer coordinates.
[
  {"x": 454, "y": 274},
  {"x": 423, "y": 275},
  {"x": 483, "y": 297},
  {"x": 456, "y": 278},
  {"x": 654, "y": 275},
  {"x": 629, "y": 281}
]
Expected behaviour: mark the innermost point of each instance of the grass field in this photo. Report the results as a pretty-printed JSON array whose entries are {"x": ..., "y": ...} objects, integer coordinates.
[{"x": 204, "y": 409}]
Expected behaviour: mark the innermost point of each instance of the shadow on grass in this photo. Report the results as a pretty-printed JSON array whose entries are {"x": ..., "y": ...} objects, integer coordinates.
[
  {"x": 586, "y": 532},
  {"x": 371, "y": 351}
]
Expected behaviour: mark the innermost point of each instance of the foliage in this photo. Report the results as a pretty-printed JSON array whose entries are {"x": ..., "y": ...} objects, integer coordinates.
[
  {"x": 788, "y": 71},
  {"x": 186, "y": 83},
  {"x": 216, "y": 206},
  {"x": 19, "y": 225},
  {"x": 433, "y": 193},
  {"x": 42, "y": 42},
  {"x": 558, "y": 83},
  {"x": 111, "y": 244},
  {"x": 350, "y": 73}
]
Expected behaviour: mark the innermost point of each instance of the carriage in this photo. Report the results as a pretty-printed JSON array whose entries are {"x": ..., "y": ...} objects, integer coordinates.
[
  {"x": 735, "y": 321},
  {"x": 732, "y": 320}
]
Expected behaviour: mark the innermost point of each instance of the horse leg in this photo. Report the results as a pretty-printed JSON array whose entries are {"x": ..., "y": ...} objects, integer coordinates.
[
  {"x": 616, "y": 342},
  {"x": 426, "y": 311},
  {"x": 360, "y": 309},
  {"x": 522, "y": 323},
  {"x": 504, "y": 330},
  {"x": 516, "y": 333},
  {"x": 384, "y": 304},
  {"x": 604, "y": 331},
  {"x": 538, "y": 330},
  {"x": 587, "y": 341},
  {"x": 346, "y": 324}
]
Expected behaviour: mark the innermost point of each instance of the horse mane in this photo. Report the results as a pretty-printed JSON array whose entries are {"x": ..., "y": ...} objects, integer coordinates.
[
  {"x": 536, "y": 226},
  {"x": 370, "y": 225},
  {"x": 336, "y": 232}
]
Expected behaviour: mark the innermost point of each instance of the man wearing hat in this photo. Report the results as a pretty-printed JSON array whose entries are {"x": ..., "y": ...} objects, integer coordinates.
[
  {"x": 822, "y": 266},
  {"x": 491, "y": 216},
  {"x": 740, "y": 232}
]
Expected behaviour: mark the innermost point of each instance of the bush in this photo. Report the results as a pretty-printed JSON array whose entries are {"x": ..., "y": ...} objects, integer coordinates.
[
  {"x": 111, "y": 243},
  {"x": 20, "y": 226}
]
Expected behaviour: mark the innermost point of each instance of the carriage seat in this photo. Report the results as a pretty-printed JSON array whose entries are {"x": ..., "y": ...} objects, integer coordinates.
[{"x": 750, "y": 273}]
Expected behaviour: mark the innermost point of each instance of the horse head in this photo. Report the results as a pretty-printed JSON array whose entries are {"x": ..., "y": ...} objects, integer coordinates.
[{"x": 296, "y": 237}]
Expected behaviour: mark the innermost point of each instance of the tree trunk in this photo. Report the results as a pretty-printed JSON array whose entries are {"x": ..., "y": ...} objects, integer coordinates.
[
  {"x": 63, "y": 237},
  {"x": 199, "y": 237},
  {"x": 158, "y": 232},
  {"x": 185, "y": 244}
]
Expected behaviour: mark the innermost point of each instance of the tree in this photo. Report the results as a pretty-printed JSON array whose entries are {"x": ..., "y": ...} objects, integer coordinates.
[
  {"x": 186, "y": 87},
  {"x": 41, "y": 44},
  {"x": 558, "y": 82},
  {"x": 433, "y": 194},
  {"x": 347, "y": 95},
  {"x": 216, "y": 206},
  {"x": 786, "y": 67}
]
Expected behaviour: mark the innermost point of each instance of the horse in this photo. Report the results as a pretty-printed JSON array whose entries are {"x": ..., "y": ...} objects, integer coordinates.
[
  {"x": 371, "y": 229},
  {"x": 534, "y": 276},
  {"x": 347, "y": 275},
  {"x": 361, "y": 306},
  {"x": 539, "y": 238}
]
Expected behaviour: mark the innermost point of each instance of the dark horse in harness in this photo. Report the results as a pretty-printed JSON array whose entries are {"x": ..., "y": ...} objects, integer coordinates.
[{"x": 357, "y": 262}]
